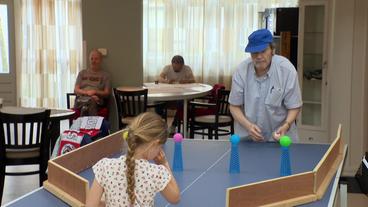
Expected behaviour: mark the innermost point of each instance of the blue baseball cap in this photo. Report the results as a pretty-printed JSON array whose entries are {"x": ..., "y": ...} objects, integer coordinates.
[{"x": 259, "y": 40}]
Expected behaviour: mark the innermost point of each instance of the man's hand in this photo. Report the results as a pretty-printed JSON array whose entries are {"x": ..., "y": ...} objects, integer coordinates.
[
  {"x": 95, "y": 98},
  {"x": 186, "y": 81},
  {"x": 281, "y": 131},
  {"x": 255, "y": 132},
  {"x": 91, "y": 92}
]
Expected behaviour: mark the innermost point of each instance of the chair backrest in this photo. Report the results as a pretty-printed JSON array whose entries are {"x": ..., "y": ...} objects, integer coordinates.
[
  {"x": 130, "y": 103},
  {"x": 222, "y": 102},
  {"x": 24, "y": 131},
  {"x": 70, "y": 100},
  {"x": 212, "y": 96},
  {"x": 216, "y": 88}
]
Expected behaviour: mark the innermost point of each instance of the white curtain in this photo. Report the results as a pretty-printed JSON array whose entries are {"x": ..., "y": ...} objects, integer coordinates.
[
  {"x": 48, "y": 50},
  {"x": 210, "y": 34},
  {"x": 4, "y": 45}
]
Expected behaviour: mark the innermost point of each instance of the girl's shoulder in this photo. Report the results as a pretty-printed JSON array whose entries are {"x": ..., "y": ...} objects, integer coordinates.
[
  {"x": 141, "y": 164},
  {"x": 104, "y": 162},
  {"x": 150, "y": 168}
]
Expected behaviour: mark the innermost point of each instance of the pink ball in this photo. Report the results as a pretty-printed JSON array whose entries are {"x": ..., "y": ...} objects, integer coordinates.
[{"x": 178, "y": 137}]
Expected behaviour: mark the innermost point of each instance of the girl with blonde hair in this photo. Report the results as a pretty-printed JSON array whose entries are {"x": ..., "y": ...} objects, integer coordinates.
[{"x": 132, "y": 180}]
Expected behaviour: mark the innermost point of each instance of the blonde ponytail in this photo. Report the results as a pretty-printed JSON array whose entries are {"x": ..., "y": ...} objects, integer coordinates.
[{"x": 145, "y": 128}]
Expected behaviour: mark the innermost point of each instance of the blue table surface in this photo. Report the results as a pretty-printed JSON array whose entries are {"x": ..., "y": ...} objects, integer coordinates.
[{"x": 205, "y": 177}]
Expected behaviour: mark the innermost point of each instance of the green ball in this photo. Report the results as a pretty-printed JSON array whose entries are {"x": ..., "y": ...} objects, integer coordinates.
[{"x": 285, "y": 141}]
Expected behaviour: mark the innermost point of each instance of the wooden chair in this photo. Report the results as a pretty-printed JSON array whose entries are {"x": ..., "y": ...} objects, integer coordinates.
[
  {"x": 200, "y": 111},
  {"x": 214, "y": 123},
  {"x": 23, "y": 141},
  {"x": 130, "y": 103},
  {"x": 70, "y": 100}
]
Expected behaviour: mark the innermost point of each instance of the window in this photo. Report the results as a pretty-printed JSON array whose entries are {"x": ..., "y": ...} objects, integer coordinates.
[
  {"x": 49, "y": 42},
  {"x": 4, "y": 41}
]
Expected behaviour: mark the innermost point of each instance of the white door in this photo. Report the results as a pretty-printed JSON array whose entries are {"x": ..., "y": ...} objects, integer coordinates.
[{"x": 7, "y": 53}]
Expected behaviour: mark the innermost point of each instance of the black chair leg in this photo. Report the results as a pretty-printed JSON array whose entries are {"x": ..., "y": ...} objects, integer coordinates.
[
  {"x": 209, "y": 133},
  {"x": 42, "y": 178},
  {"x": 178, "y": 125},
  {"x": 2, "y": 180},
  {"x": 164, "y": 115},
  {"x": 42, "y": 175},
  {"x": 191, "y": 132}
]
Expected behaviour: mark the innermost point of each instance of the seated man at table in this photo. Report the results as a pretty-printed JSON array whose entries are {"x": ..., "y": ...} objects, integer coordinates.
[
  {"x": 177, "y": 72},
  {"x": 92, "y": 87}
]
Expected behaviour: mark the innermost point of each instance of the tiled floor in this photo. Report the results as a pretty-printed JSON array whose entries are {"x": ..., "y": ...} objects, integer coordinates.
[{"x": 16, "y": 186}]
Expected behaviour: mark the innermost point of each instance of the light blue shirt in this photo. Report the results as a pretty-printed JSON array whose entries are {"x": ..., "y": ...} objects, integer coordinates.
[{"x": 266, "y": 100}]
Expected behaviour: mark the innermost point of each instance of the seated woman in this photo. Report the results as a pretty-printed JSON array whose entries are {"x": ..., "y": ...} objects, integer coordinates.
[{"x": 93, "y": 86}]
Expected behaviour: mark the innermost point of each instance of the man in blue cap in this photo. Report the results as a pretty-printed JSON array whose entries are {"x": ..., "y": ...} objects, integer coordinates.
[{"x": 265, "y": 96}]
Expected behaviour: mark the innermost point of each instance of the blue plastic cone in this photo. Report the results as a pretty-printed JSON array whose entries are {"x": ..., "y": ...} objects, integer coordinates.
[
  {"x": 234, "y": 166},
  {"x": 178, "y": 157},
  {"x": 285, "y": 168}
]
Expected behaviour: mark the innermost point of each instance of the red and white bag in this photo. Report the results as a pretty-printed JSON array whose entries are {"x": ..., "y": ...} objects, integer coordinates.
[{"x": 70, "y": 140}]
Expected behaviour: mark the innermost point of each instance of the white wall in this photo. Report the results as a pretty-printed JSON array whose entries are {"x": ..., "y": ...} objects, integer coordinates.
[{"x": 116, "y": 25}]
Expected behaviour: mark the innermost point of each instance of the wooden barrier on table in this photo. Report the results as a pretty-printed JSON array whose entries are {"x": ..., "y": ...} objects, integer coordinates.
[
  {"x": 66, "y": 185},
  {"x": 298, "y": 189},
  {"x": 63, "y": 179},
  {"x": 86, "y": 156},
  {"x": 291, "y": 190},
  {"x": 328, "y": 165}
]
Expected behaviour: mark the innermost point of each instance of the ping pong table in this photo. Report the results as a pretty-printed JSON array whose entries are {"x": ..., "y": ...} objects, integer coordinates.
[{"x": 205, "y": 177}]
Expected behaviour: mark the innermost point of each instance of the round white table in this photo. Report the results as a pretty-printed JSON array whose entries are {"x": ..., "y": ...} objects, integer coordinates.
[
  {"x": 173, "y": 92},
  {"x": 54, "y": 113}
]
